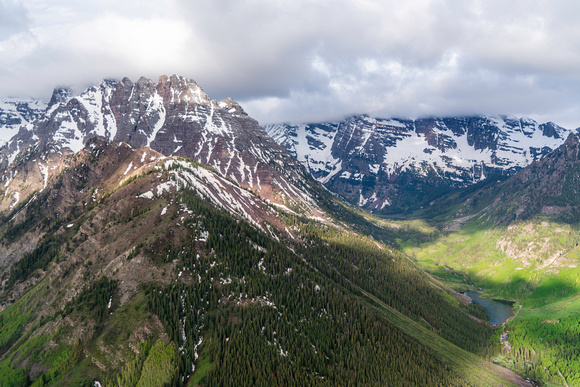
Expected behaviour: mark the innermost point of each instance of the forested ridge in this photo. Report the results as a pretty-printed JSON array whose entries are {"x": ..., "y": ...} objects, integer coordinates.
[{"x": 280, "y": 315}]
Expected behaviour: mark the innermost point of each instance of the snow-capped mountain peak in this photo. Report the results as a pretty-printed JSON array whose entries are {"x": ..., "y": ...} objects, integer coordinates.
[{"x": 174, "y": 117}]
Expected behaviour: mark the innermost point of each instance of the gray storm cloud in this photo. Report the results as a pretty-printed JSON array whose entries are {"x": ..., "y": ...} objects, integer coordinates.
[{"x": 310, "y": 60}]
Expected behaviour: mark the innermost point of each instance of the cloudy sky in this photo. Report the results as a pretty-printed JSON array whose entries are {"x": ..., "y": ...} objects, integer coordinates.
[{"x": 296, "y": 60}]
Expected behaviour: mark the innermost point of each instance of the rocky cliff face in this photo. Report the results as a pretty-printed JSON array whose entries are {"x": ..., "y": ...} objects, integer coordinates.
[
  {"x": 392, "y": 164},
  {"x": 174, "y": 117}
]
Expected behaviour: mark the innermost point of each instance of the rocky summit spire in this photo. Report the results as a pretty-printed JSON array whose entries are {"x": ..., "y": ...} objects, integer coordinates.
[
  {"x": 60, "y": 95},
  {"x": 177, "y": 89}
]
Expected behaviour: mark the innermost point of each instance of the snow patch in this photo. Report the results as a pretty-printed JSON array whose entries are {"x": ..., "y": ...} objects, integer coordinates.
[
  {"x": 157, "y": 105},
  {"x": 44, "y": 172},
  {"x": 147, "y": 195},
  {"x": 16, "y": 198},
  {"x": 128, "y": 168}
]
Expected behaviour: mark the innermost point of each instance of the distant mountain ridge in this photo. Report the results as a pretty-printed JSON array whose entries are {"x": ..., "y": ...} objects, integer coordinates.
[
  {"x": 547, "y": 187},
  {"x": 393, "y": 164}
]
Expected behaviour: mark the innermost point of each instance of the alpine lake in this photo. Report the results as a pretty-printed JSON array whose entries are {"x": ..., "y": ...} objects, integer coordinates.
[{"x": 498, "y": 310}]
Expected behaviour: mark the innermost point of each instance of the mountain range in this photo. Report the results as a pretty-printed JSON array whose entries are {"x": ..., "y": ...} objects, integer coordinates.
[
  {"x": 153, "y": 236},
  {"x": 396, "y": 165}
]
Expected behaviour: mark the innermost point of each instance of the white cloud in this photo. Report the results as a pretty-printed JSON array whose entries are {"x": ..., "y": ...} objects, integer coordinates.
[{"x": 302, "y": 60}]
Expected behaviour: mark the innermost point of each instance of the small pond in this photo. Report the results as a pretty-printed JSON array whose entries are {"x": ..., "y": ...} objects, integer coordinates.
[{"x": 498, "y": 310}]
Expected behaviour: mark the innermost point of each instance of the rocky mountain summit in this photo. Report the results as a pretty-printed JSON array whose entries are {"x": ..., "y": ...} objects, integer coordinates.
[
  {"x": 174, "y": 117},
  {"x": 394, "y": 164}
]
